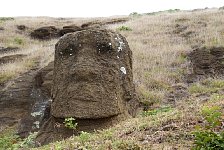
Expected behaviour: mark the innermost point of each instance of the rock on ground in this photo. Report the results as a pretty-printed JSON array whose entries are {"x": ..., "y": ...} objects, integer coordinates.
[{"x": 45, "y": 33}]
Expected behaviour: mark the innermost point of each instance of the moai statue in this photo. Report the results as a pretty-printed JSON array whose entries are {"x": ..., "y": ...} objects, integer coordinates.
[{"x": 93, "y": 80}]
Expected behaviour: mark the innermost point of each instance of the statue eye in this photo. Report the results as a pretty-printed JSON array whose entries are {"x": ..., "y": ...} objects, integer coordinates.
[
  {"x": 70, "y": 50},
  {"x": 104, "y": 47}
]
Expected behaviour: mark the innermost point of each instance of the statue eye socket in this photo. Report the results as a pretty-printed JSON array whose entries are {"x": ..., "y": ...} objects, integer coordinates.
[
  {"x": 104, "y": 47},
  {"x": 69, "y": 50}
]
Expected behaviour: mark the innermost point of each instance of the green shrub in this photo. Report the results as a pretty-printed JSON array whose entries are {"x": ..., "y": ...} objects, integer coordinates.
[
  {"x": 84, "y": 137},
  {"x": 221, "y": 8},
  {"x": 134, "y": 14},
  {"x": 18, "y": 41},
  {"x": 8, "y": 141},
  {"x": 70, "y": 123},
  {"x": 126, "y": 145},
  {"x": 173, "y": 10},
  {"x": 27, "y": 142},
  {"x": 207, "y": 137},
  {"x": 3, "y": 19},
  {"x": 124, "y": 28}
]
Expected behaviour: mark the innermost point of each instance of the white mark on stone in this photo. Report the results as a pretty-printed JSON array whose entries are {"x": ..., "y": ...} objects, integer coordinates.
[
  {"x": 110, "y": 44},
  {"x": 70, "y": 49},
  {"x": 118, "y": 57},
  {"x": 37, "y": 124},
  {"x": 80, "y": 45},
  {"x": 70, "y": 54},
  {"x": 34, "y": 114},
  {"x": 121, "y": 43},
  {"x": 123, "y": 70}
]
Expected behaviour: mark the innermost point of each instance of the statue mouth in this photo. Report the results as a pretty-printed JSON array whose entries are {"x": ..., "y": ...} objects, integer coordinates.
[{"x": 85, "y": 98}]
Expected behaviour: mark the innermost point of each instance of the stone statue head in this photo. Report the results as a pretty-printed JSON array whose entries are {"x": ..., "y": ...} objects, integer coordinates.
[{"x": 92, "y": 75}]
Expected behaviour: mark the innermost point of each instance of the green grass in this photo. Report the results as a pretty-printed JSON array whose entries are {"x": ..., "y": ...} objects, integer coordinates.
[
  {"x": 5, "y": 76},
  {"x": 124, "y": 28},
  {"x": 8, "y": 139},
  {"x": 156, "y": 111},
  {"x": 207, "y": 86},
  {"x": 3, "y": 19},
  {"x": 19, "y": 41},
  {"x": 121, "y": 136}
]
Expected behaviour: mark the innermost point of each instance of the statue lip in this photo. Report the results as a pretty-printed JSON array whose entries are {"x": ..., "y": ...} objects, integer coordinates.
[{"x": 85, "y": 97}]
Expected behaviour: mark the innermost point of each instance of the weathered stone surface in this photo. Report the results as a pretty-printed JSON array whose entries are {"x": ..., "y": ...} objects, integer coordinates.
[
  {"x": 44, "y": 33},
  {"x": 92, "y": 75},
  {"x": 98, "y": 23},
  {"x": 44, "y": 79},
  {"x": 92, "y": 82},
  {"x": 207, "y": 61}
]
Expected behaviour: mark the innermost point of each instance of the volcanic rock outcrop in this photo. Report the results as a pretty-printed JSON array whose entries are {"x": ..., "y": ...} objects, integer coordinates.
[
  {"x": 4, "y": 50},
  {"x": 69, "y": 29},
  {"x": 207, "y": 61},
  {"x": 45, "y": 33},
  {"x": 92, "y": 82}
]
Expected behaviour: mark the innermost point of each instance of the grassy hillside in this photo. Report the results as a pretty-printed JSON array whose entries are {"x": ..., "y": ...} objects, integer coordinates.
[{"x": 160, "y": 44}]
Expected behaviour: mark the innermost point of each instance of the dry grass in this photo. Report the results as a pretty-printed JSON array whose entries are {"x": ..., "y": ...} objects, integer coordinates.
[
  {"x": 38, "y": 51},
  {"x": 159, "y": 63},
  {"x": 158, "y": 52}
]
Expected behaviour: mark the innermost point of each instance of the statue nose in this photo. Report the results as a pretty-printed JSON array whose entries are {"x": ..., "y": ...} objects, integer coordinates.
[{"x": 84, "y": 72}]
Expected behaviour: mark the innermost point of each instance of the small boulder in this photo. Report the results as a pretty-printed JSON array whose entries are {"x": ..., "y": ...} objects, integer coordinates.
[{"x": 21, "y": 27}]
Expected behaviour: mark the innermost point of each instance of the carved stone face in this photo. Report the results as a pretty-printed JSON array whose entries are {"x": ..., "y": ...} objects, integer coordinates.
[{"x": 92, "y": 75}]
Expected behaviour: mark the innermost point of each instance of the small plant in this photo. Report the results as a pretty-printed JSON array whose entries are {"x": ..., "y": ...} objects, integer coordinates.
[
  {"x": 207, "y": 137},
  {"x": 18, "y": 41},
  {"x": 84, "y": 137},
  {"x": 27, "y": 142},
  {"x": 126, "y": 145},
  {"x": 156, "y": 111},
  {"x": 8, "y": 141},
  {"x": 124, "y": 28},
  {"x": 70, "y": 123}
]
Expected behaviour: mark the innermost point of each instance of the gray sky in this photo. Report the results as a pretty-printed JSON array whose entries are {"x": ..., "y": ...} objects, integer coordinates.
[{"x": 96, "y": 8}]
